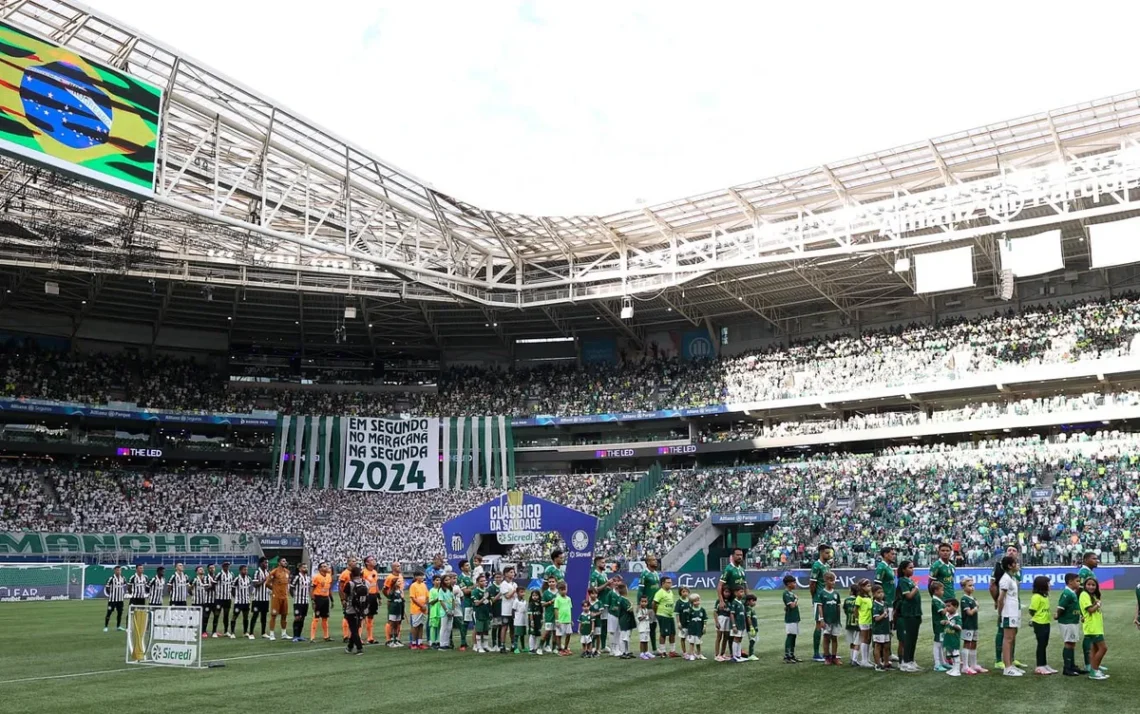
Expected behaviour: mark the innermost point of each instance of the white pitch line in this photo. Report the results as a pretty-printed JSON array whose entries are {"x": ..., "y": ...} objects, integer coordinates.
[{"x": 136, "y": 669}]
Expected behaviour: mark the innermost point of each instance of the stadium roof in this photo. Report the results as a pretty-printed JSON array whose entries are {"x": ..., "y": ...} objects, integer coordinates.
[{"x": 264, "y": 218}]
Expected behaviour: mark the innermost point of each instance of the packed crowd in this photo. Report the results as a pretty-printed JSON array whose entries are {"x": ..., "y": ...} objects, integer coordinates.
[
  {"x": 1055, "y": 497},
  {"x": 952, "y": 349},
  {"x": 1090, "y": 401}
]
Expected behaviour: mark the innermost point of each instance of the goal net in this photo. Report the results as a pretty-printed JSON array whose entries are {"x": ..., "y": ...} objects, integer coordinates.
[{"x": 42, "y": 581}]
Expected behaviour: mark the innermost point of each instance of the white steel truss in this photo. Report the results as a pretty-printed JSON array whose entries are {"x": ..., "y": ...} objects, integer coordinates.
[{"x": 250, "y": 194}]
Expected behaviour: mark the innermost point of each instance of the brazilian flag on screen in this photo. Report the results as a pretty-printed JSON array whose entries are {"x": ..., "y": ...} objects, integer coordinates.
[{"x": 60, "y": 109}]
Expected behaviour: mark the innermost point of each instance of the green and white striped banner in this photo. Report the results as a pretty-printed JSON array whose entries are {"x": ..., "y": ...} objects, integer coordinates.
[
  {"x": 309, "y": 452},
  {"x": 477, "y": 452}
]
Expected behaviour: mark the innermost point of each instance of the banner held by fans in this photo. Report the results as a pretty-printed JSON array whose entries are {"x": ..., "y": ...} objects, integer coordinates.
[{"x": 391, "y": 455}]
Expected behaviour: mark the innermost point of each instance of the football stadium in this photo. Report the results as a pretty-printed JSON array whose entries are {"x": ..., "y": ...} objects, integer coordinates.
[{"x": 285, "y": 426}]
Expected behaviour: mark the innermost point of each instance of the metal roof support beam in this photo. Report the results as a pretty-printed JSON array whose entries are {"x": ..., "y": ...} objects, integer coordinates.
[
  {"x": 162, "y": 308},
  {"x": 836, "y": 185},
  {"x": 686, "y": 311},
  {"x": 500, "y": 332},
  {"x": 93, "y": 290},
  {"x": 301, "y": 318},
  {"x": 943, "y": 169},
  {"x": 748, "y": 208},
  {"x": 560, "y": 324},
  {"x": 429, "y": 320},
  {"x": 1062, "y": 156},
  {"x": 828, "y": 291},
  {"x": 21, "y": 277},
  {"x": 752, "y": 303}
]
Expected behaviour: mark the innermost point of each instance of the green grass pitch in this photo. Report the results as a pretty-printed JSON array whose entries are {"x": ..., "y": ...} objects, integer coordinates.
[{"x": 58, "y": 650}]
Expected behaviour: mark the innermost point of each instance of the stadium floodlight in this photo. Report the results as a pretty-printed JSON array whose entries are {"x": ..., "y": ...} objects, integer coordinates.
[
  {"x": 902, "y": 265},
  {"x": 350, "y": 313},
  {"x": 51, "y": 288},
  {"x": 626, "y": 308}
]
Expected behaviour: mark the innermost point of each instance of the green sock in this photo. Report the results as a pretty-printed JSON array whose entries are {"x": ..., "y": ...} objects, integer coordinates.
[
  {"x": 793, "y": 645},
  {"x": 751, "y": 648},
  {"x": 816, "y": 636},
  {"x": 1069, "y": 657},
  {"x": 462, "y": 634},
  {"x": 494, "y": 636},
  {"x": 787, "y": 646},
  {"x": 1086, "y": 648},
  {"x": 605, "y": 635}
]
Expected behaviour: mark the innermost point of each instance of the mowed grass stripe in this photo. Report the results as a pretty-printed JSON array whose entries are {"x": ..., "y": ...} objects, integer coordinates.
[{"x": 65, "y": 638}]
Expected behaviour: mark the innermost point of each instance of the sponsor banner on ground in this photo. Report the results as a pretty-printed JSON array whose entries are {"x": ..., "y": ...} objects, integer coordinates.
[
  {"x": 1110, "y": 577},
  {"x": 391, "y": 455},
  {"x": 16, "y": 593}
]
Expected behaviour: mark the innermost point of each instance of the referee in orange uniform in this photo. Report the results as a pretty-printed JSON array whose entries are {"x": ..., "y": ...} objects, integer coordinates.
[
  {"x": 279, "y": 579},
  {"x": 322, "y": 588},
  {"x": 342, "y": 581}
]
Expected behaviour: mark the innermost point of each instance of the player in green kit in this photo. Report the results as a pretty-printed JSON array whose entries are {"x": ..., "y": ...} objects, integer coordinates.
[
  {"x": 943, "y": 570},
  {"x": 1088, "y": 564},
  {"x": 791, "y": 619},
  {"x": 555, "y": 569},
  {"x": 818, "y": 569},
  {"x": 732, "y": 577},
  {"x": 885, "y": 578},
  {"x": 828, "y": 616},
  {"x": 951, "y": 637},
  {"x": 601, "y": 582},
  {"x": 466, "y": 584},
  {"x": 648, "y": 585}
]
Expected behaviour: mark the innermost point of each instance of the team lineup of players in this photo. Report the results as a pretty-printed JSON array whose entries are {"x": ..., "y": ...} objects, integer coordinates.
[{"x": 499, "y": 615}]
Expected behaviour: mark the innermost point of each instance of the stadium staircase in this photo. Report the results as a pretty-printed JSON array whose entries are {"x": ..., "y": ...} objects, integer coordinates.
[
  {"x": 49, "y": 488},
  {"x": 631, "y": 498},
  {"x": 697, "y": 541}
]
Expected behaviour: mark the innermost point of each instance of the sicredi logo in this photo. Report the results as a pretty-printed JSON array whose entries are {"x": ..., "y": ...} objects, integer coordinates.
[{"x": 172, "y": 653}]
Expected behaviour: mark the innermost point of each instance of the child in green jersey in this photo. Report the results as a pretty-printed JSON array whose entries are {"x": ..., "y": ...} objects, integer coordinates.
[
  {"x": 695, "y": 626},
  {"x": 1093, "y": 627},
  {"x": 968, "y": 607},
  {"x": 435, "y": 612},
  {"x": 586, "y": 623},
  {"x": 1039, "y": 618},
  {"x": 937, "y": 615},
  {"x": 563, "y": 612},
  {"x": 791, "y": 619},
  {"x": 682, "y": 611},
  {"x": 739, "y": 624},
  {"x": 827, "y": 616},
  {"x": 549, "y": 619},
  {"x": 663, "y": 605},
  {"x": 1068, "y": 617},
  {"x": 482, "y": 607},
  {"x": 880, "y": 629},
  {"x": 753, "y": 627},
  {"x": 951, "y": 636},
  {"x": 534, "y": 620},
  {"x": 864, "y": 603},
  {"x": 851, "y": 628}
]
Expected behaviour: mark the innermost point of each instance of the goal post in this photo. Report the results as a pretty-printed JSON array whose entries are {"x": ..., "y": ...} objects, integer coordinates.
[
  {"x": 164, "y": 636},
  {"x": 21, "y": 582}
]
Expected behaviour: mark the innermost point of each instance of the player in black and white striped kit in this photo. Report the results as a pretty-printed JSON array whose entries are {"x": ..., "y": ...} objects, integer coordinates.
[
  {"x": 261, "y": 594},
  {"x": 138, "y": 587},
  {"x": 158, "y": 586},
  {"x": 241, "y": 592},
  {"x": 203, "y": 595},
  {"x": 223, "y": 599},
  {"x": 179, "y": 586},
  {"x": 115, "y": 590},
  {"x": 300, "y": 588}
]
